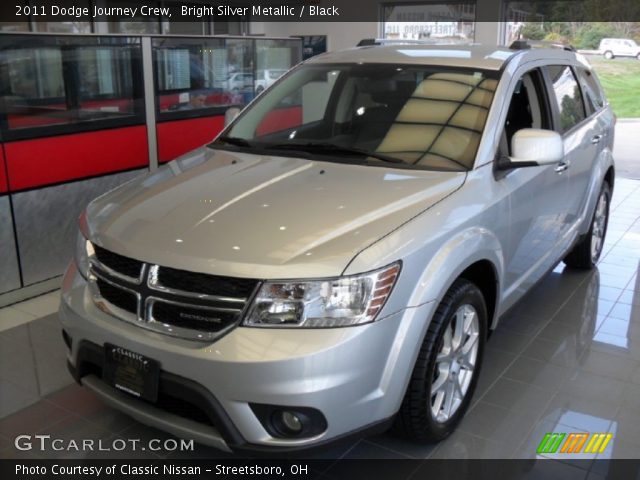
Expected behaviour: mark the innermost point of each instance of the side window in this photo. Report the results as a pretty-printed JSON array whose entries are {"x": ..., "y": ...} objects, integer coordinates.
[
  {"x": 81, "y": 81},
  {"x": 527, "y": 109},
  {"x": 591, "y": 89},
  {"x": 568, "y": 97}
]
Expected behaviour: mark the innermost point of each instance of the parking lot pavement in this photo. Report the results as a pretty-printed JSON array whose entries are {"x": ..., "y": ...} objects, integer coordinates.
[{"x": 626, "y": 149}]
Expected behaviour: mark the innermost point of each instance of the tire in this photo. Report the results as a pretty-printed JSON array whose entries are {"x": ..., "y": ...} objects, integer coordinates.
[
  {"x": 259, "y": 90},
  {"x": 638, "y": 56},
  {"x": 417, "y": 419},
  {"x": 586, "y": 252},
  {"x": 608, "y": 55}
]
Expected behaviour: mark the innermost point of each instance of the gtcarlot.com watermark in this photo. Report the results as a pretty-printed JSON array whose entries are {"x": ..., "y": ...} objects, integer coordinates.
[
  {"x": 163, "y": 469},
  {"x": 47, "y": 443}
]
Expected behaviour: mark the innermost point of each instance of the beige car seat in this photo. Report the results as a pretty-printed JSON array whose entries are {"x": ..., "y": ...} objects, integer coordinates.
[{"x": 441, "y": 123}]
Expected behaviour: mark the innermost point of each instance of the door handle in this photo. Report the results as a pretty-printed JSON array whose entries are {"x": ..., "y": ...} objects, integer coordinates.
[
  {"x": 561, "y": 167},
  {"x": 596, "y": 139}
]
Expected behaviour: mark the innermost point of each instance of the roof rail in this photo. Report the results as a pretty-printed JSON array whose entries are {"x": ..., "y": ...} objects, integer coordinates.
[
  {"x": 367, "y": 42},
  {"x": 527, "y": 44}
]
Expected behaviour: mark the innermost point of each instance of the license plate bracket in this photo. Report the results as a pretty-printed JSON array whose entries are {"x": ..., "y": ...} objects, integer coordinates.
[{"x": 131, "y": 372}]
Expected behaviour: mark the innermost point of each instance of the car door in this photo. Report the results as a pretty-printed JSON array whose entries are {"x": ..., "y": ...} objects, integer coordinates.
[
  {"x": 628, "y": 48},
  {"x": 538, "y": 195},
  {"x": 581, "y": 134},
  {"x": 598, "y": 128}
]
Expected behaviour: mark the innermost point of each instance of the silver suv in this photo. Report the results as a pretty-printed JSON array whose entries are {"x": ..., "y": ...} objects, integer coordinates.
[{"x": 333, "y": 262}]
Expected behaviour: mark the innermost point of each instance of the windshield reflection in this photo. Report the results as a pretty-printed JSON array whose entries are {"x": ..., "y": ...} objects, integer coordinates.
[{"x": 419, "y": 116}]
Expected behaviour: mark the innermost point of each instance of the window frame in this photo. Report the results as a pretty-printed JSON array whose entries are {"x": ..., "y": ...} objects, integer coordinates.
[
  {"x": 215, "y": 110},
  {"x": 537, "y": 74},
  {"x": 66, "y": 42},
  {"x": 427, "y": 3}
]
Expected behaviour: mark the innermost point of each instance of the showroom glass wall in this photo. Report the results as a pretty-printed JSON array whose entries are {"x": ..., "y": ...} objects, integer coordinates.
[
  {"x": 80, "y": 114},
  {"x": 197, "y": 79}
]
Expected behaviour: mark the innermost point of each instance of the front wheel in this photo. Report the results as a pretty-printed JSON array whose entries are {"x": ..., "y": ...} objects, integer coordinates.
[
  {"x": 446, "y": 371},
  {"x": 585, "y": 254}
]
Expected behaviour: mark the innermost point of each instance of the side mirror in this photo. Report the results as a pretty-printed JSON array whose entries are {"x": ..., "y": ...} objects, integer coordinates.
[
  {"x": 230, "y": 115},
  {"x": 531, "y": 147}
]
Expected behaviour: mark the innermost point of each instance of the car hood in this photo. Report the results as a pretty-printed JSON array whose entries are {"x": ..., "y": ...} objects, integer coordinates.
[{"x": 259, "y": 216}]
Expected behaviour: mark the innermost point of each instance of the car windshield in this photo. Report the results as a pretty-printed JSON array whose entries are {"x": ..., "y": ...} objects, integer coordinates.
[{"x": 414, "y": 116}]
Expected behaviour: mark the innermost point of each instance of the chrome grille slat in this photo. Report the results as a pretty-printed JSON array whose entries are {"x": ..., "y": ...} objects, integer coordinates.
[
  {"x": 117, "y": 266},
  {"x": 208, "y": 330},
  {"x": 205, "y": 284},
  {"x": 170, "y": 311},
  {"x": 109, "y": 307},
  {"x": 154, "y": 283}
]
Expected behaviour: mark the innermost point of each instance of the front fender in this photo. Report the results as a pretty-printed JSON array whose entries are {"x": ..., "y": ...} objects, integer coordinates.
[
  {"x": 469, "y": 246},
  {"x": 430, "y": 268}
]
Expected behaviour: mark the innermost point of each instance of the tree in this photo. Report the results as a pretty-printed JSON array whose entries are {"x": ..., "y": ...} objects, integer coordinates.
[
  {"x": 532, "y": 31},
  {"x": 588, "y": 37}
]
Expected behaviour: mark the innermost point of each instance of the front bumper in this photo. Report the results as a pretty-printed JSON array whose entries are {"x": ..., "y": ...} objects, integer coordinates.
[
  {"x": 157, "y": 417},
  {"x": 355, "y": 376}
]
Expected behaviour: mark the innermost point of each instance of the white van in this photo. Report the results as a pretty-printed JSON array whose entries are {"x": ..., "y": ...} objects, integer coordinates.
[{"x": 619, "y": 47}]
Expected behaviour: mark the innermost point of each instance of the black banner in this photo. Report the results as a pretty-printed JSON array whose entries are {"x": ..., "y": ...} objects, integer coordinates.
[
  {"x": 322, "y": 11},
  {"x": 314, "y": 469}
]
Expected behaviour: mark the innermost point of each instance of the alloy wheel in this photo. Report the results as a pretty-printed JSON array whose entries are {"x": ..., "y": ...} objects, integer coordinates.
[
  {"x": 599, "y": 227},
  {"x": 455, "y": 363}
]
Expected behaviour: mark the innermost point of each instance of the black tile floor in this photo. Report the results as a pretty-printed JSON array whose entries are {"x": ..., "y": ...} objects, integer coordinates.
[{"x": 566, "y": 359}]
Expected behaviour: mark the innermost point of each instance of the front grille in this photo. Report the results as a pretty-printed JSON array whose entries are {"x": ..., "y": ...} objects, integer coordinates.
[
  {"x": 183, "y": 408},
  {"x": 118, "y": 263},
  {"x": 193, "y": 318},
  {"x": 206, "y": 284},
  {"x": 174, "y": 302},
  {"x": 117, "y": 296}
]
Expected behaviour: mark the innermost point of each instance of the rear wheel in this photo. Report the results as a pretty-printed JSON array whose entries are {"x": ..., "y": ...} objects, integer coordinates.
[
  {"x": 608, "y": 55},
  {"x": 586, "y": 253},
  {"x": 447, "y": 368}
]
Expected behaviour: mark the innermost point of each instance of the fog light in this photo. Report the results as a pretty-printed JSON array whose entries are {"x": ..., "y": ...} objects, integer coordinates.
[
  {"x": 282, "y": 421},
  {"x": 291, "y": 422}
]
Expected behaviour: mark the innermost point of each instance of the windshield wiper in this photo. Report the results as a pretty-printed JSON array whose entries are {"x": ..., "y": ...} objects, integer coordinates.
[
  {"x": 236, "y": 141},
  {"x": 322, "y": 147}
]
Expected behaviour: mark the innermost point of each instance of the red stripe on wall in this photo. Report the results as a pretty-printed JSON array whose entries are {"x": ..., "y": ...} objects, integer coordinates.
[
  {"x": 42, "y": 161},
  {"x": 280, "y": 119},
  {"x": 3, "y": 176},
  {"x": 180, "y": 136}
]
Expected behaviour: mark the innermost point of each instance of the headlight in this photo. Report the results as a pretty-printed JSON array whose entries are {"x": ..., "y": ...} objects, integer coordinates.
[
  {"x": 333, "y": 302},
  {"x": 84, "y": 248}
]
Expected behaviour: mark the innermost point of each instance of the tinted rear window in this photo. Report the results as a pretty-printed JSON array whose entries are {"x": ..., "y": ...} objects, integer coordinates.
[
  {"x": 591, "y": 89},
  {"x": 568, "y": 97}
]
